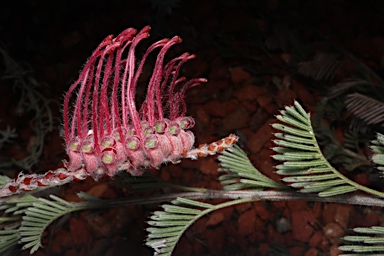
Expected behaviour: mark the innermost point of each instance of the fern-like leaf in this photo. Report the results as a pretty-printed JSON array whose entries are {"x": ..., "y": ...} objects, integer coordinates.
[
  {"x": 367, "y": 241},
  {"x": 322, "y": 67},
  {"x": 378, "y": 148},
  {"x": 13, "y": 208},
  {"x": 37, "y": 218},
  {"x": 167, "y": 226},
  {"x": 368, "y": 109},
  {"x": 304, "y": 163},
  {"x": 241, "y": 174},
  {"x": 343, "y": 86}
]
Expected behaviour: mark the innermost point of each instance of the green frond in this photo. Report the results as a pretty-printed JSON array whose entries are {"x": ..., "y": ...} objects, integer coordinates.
[
  {"x": 38, "y": 216},
  {"x": 4, "y": 179},
  {"x": 303, "y": 162},
  {"x": 8, "y": 240},
  {"x": 351, "y": 140},
  {"x": 13, "y": 207},
  {"x": 168, "y": 225},
  {"x": 241, "y": 174},
  {"x": 367, "y": 241},
  {"x": 378, "y": 149}
]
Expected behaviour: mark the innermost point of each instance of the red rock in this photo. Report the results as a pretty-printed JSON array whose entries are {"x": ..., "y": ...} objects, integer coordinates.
[
  {"x": 342, "y": 215},
  {"x": 303, "y": 94},
  {"x": 217, "y": 84},
  {"x": 184, "y": 247},
  {"x": 214, "y": 240},
  {"x": 334, "y": 250},
  {"x": 324, "y": 244},
  {"x": 259, "y": 233},
  {"x": 228, "y": 212},
  {"x": 252, "y": 251},
  {"x": 264, "y": 249},
  {"x": 258, "y": 119},
  {"x": 333, "y": 232},
  {"x": 285, "y": 97},
  {"x": 213, "y": 184},
  {"x": 260, "y": 226},
  {"x": 316, "y": 239},
  {"x": 317, "y": 208},
  {"x": 297, "y": 205},
  {"x": 264, "y": 163},
  {"x": 219, "y": 72},
  {"x": 371, "y": 219},
  {"x": 302, "y": 225},
  {"x": 279, "y": 204},
  {"x": 237, "y": 119},
  {"x": 272, "y": 108},
  {"x": 256, "y": 142},
  {"x": 209, "y": 166},
  {"x": 202, "y": 116},
  {"x": 215, "y": 218},
  {"x": 261, "y": 211},
  {"x": 249, "y": 106},
  {"x": 164, "y": 175},
  {"x": 238, "y": 74},
  {"x": 312, "y": 252},
  {"x": 250, "y": 92},
  {"x": 98, "y": 190},
  {"x": 286, "y": 57},
  {"x": 215, "y": 108},
  {"x": 246, "y": 222},
  {"x": 288, "y": 238},
  {"x": 329, "y": 212},
  {"x": 189, "y": 164},
  {"x": 287, "y": 213},
  {"x": 264, "y": 100},
  {"x": 71, "y": 252},
  {"x": 79, "y": 232},
  {"x": 272, "y": 235},
  {"x": 297, "y": 250},
  {"x": 62, "y": 240},
  {"x": 240, "y": 208},
  {"x": 175, "y": 172},
  {"x": 198, "y": 68},
  {"x": 363, "y": 179}
]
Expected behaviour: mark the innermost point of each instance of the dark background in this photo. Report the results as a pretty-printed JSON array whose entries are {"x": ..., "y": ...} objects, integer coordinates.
[{"x": 56, "y": 37}]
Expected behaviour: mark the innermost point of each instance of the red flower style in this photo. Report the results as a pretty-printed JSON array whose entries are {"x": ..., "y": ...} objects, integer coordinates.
[{"x": 104, "y": 130}]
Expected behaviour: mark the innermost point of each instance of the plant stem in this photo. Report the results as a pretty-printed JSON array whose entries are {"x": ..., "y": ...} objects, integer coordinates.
[{"x": 251, "y": 195}]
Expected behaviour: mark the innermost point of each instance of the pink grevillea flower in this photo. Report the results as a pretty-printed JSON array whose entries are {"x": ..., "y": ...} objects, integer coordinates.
[{"x": 105, "y": 131}]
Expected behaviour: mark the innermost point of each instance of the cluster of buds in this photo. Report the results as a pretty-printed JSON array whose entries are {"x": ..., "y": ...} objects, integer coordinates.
[{"x": 105, "y": 132}]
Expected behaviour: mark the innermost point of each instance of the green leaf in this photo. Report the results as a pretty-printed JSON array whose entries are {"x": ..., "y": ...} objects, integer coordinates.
[
  {"x": 303, "y": 162},
  {"x": 366, "y": 241},
  {"x": 167, "y": 227},
  {"x": 38, "y": 216},
  {"x": 240, "y": 172},
  {"x": 166, "y": 230}
]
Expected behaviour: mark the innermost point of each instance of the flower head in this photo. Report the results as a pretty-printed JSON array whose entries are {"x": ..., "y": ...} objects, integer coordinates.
[{"x": 104, "y": 129}]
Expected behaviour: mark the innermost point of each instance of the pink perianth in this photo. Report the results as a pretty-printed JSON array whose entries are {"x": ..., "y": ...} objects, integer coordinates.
[
  {"x": 29, "y": 182},
  {"x": 103, "y": 130},
  {"x": 105, "y": 107}
]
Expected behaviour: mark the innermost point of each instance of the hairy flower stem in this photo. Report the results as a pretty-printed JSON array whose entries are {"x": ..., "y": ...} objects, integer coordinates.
[
  {"x": 252, "y": 195},
  {"x": 61, "y": 176}
]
